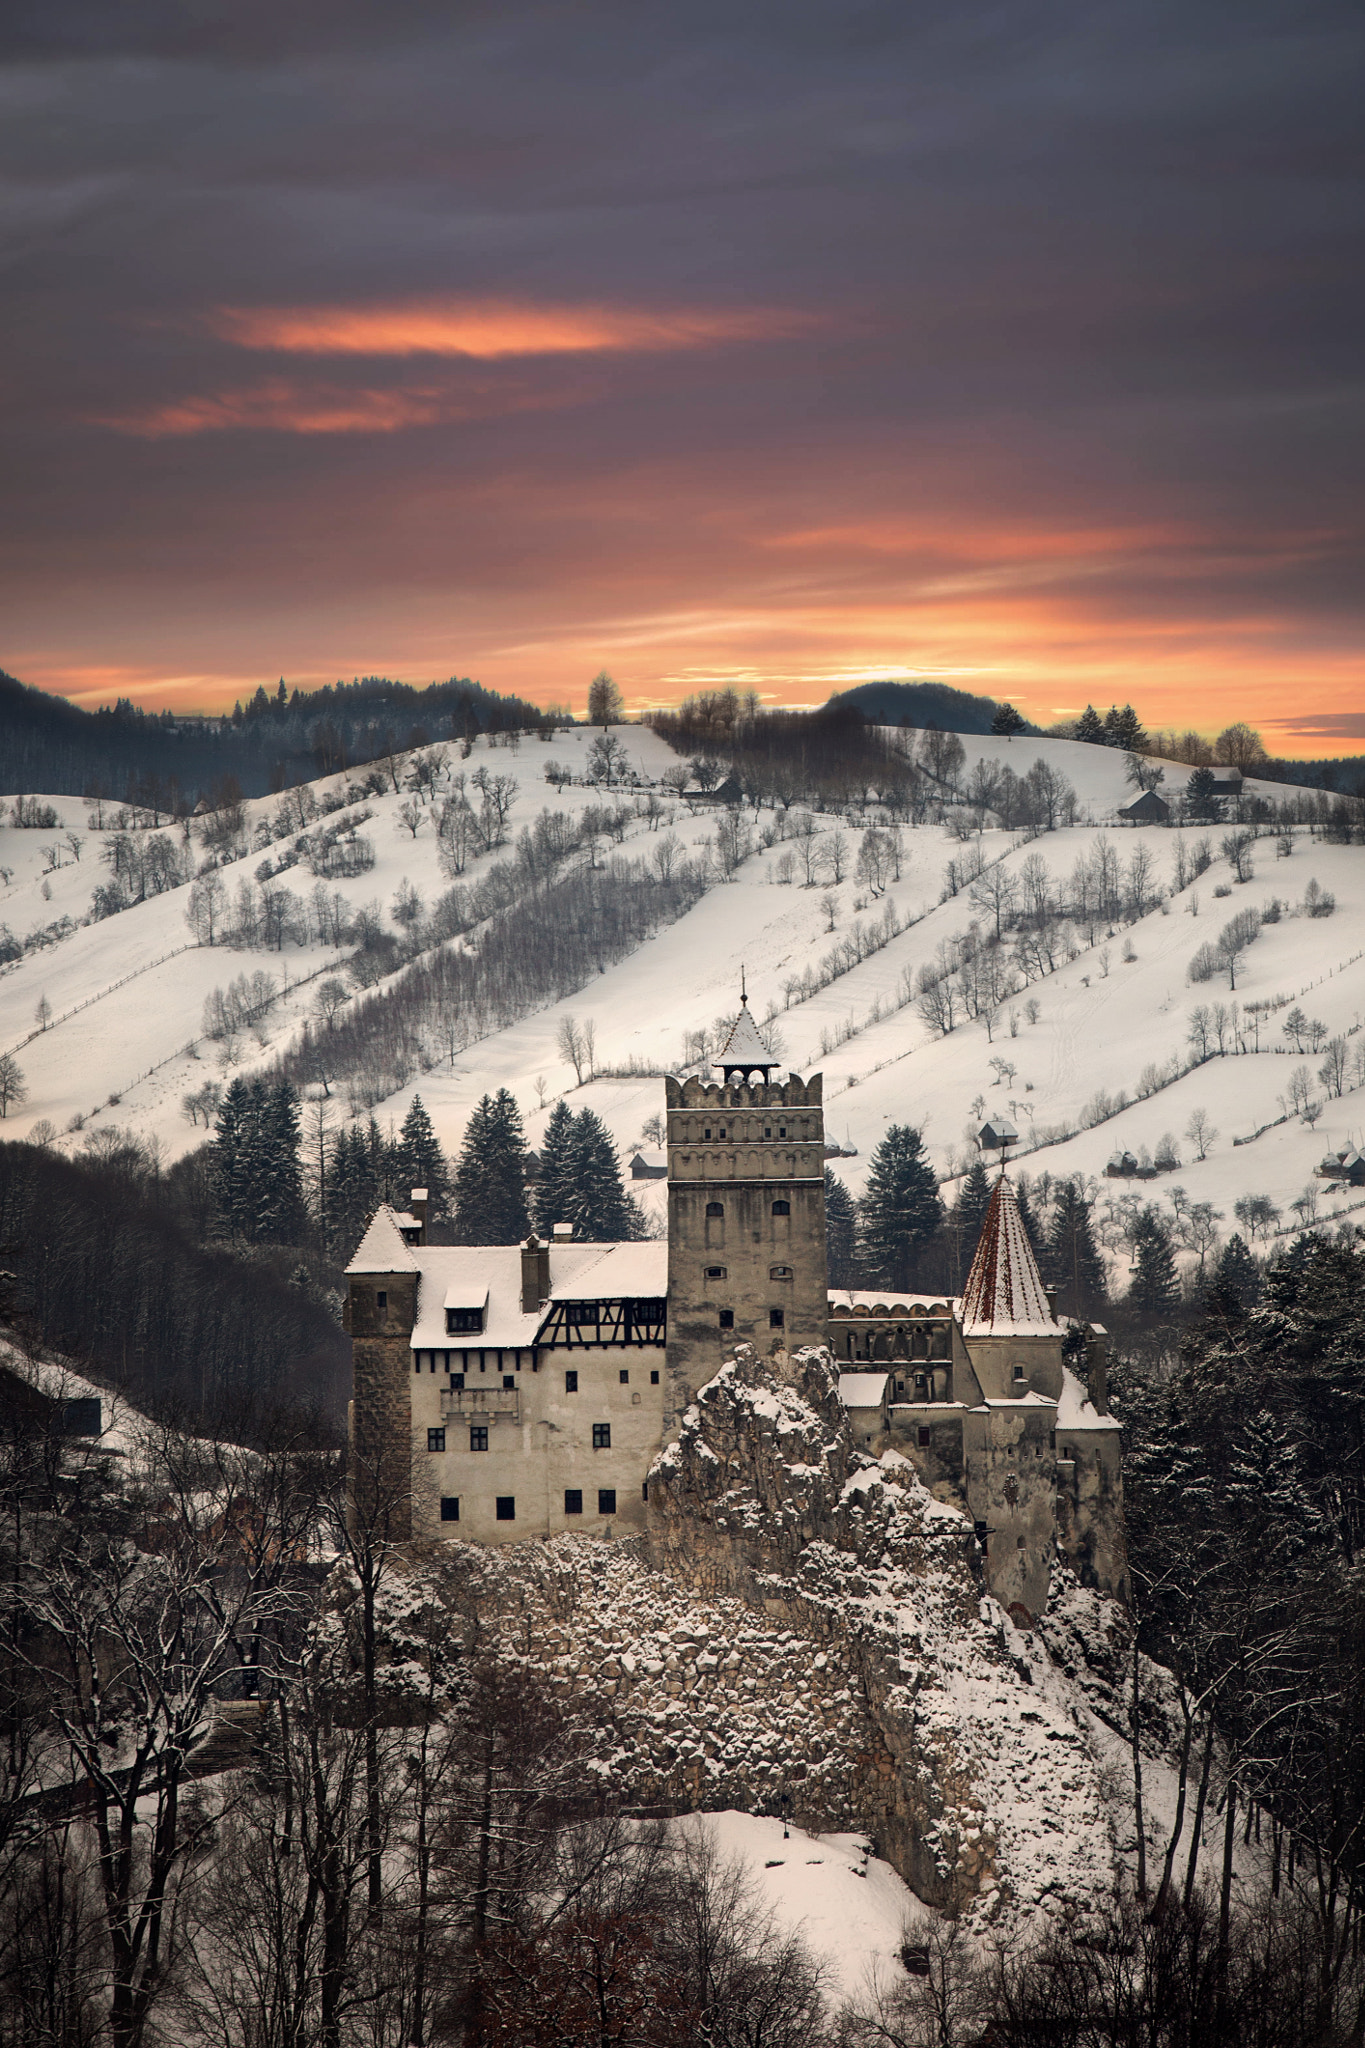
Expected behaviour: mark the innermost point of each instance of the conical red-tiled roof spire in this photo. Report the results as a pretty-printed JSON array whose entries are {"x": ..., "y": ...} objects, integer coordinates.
[{"x": 1004, "y": 1295}]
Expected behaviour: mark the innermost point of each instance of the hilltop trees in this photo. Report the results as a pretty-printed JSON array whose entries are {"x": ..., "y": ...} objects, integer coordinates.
[
  {"x": 419, "y": 1159},
  {"x": 841, "y": 1231},
  {"x": 490, "y": 1176},
  {"x": 580, "y": 1180},
  {"x": 605, "y": 703},
  {"x": 901, "y": 1210}
]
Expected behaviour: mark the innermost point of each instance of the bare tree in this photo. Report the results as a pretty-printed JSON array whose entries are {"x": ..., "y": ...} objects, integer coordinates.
[
  {"x": 1200, "y": 1132},
  {"x": 13, "y": 1087},
  {"x": 569, "y": 1044}
]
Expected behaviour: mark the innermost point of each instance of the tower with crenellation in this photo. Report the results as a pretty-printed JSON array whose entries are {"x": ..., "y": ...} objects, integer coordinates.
[{"x": 746, "y": 1214}]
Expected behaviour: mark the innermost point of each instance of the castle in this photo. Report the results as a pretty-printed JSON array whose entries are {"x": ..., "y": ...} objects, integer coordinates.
[{"x": 525, "y": 1390}]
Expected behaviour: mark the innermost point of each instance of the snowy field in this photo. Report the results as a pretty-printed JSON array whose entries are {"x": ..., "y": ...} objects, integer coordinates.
[{"x": 125, "y": 1042}]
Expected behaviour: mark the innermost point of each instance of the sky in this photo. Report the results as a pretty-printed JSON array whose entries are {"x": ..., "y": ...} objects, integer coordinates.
[{"x": 1012, "y": 344}]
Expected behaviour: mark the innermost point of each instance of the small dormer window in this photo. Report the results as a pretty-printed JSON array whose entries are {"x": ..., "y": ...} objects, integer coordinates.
[{"x": 463, "y": 1322}]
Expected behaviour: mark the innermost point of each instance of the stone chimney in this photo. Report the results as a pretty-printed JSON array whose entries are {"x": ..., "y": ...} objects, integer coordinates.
[
  {"x": 418, "y": 1205},
  {"x": 535, "y": 1274}
]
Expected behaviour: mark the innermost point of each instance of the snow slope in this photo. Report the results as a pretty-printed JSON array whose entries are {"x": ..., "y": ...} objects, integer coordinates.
[{"x": 1100, "y": 1018}]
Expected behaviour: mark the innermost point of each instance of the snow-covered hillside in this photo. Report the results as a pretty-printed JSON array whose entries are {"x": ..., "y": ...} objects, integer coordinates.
[{"x": 124, "y": 1043}]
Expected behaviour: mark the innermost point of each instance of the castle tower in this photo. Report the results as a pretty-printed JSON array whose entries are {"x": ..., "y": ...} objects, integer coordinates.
[
  {"x": 1009, "y": 1439},
  {"x": 746, "y": 1214}
]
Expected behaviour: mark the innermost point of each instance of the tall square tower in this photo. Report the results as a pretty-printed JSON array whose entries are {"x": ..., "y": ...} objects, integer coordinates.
[{"x": 746, "y": 1214}]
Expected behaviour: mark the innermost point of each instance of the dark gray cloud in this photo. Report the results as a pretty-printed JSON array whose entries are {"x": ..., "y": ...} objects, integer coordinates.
[{"x": 1066, "y": 265}]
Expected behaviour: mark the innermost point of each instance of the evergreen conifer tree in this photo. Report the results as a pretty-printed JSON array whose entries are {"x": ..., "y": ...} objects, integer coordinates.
[
  {"x": 973, "y": 1200},
  {"x": 1090, "y": 727},
  {"x": 900, "y": 1210},
  {"x": 355, "y": 1190},
  {"x": 599, "y": 1210},
  {"x": 1033, "y": 1229},
  {"x": 841, "y": 1227},
  {"x": 1236, "y": 1285},
  {"x": 554, "y": 1186},
  {"x": 1071, "y": 1260},
  {"x": 420, "y": 1161},
  {"x": 1130, "y": 734},
  {"x": 280, "y": 1213},
  {"x": 1154, "y": 1290},
  {"x": 490, "y": 1178},
  {"x": 228, "y": 1164}
]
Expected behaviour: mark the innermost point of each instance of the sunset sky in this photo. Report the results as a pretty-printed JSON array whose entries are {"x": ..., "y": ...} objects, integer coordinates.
[{"x": 1013, "y": 344}]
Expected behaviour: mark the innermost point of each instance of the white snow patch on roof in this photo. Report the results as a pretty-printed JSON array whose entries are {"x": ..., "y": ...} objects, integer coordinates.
[
  {"x": 1075, "y": 1409},
  {"x": 862, "y": 1389},
  {"x": 382, "y": 1248}
]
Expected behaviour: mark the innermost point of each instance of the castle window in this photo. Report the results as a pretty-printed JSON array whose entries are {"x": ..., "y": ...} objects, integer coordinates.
[
  {"x": 782, "y": 1131},
  {"x": 1020, "y": 1373},
  {"x": 506, "y": 1507},
  {"x": 436, "y": 1439},
  {"x": 456, "y": 1380},
  {"x": 450, "y": 1507},
  {"x": 654, "y": 1379},
  {"x": 779, "y": 1272},
  {"x": 625, "y": 1379},
  {"x": 606, "y": 1500},
  {"x": 573, "y": 1500},
  {"x": 382, "y": 1299},
  {"x": 707, "y": 1132},
  {"x": 644, "y": 1490},
  {"x": 463, "y": 1321},
  {"x": 579, "y": 1312},
  {"x": 601, "y": 1436},
  {"x": 767, "y": 1130},
  {"x": 923, "y": 1439},
  {"x": 727, "y": 1319},
  {"x": 715, "y": 1208},
  {"x": 776, "y": 1318},
  {"x": 478, "y": 1436},
  {"x": 782, "y": 1208},
  {"x": 715, "y": 1272},
  {"x": 571, "y": 1382},
  {"x": 509, "y": 1379}
]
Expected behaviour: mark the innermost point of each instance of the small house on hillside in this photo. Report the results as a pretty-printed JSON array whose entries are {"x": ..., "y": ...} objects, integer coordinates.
[
  {"x": 1227, "y": 782},
  {"x": 1348, "y": 1165},
  {"x": 1148, "y": 809},
  {"x": 649, "y": 1163}
]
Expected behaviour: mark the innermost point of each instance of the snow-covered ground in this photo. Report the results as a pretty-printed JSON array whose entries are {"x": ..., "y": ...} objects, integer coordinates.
[{"x": 1092, "y": 1025}]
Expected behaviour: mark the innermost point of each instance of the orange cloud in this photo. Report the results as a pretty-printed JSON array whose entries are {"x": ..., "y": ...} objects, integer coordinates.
[
  {"x": 278, "y": 406},
  {"x": 490, "y": 329}
]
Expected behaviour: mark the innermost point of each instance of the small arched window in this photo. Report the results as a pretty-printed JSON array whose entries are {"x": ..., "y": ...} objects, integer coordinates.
[
  {"x": 782, "y": 1208},
  {"x": 715, "y": 1208}
]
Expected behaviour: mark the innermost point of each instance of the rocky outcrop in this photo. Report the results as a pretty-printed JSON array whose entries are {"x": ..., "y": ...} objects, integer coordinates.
[
  {"x": 805, "y": 1631},
  {"x": 973, "y": 1742}
]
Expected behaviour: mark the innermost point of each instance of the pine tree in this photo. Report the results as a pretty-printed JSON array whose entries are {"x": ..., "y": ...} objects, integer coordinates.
[
  {"x": 1154, "y": 1290},
  {"x": 1236, "y": 1285},
  {"x": 1090, "y": 727},
  {"x": 1201, "y": 805},
  {"x": 841, "y": 1226},
  {"x": 1130, "y": 736},
  {"x": 900, "y": 1210},
  {"x": 1007, "y": 721},
  {"x": 1033, "y": 1229},
  {"x": 490, "y": 1178},
  {"x": 419, "y": 1160},
  {"x": 1071, "y": 1260},
  {"x": 974, "y": 1198},
  {"x": 554, "y": 1185},
  {"x": 229, "y": 1164},
  {"x": 355, "y": 1190},
  {"x": 598, "y": 1212},
  {"x": 278, "y": 1171}
]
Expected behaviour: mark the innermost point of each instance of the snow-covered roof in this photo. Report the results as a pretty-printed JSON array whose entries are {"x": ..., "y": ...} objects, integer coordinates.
[
  {"x": 618, "y": 1271},
  {"x": 862, "y": 1389},
  {"x": 488, "y": 1276},
  {"x": 1004, "y": 1295},
  {"x": 1076, "y": 1411},
  {"x": 650, "y": 1155},
  {"x": 744, "y": 1047},
  {"x": 467, "y": 1291},
  {"x": 382, "y": 1249}
]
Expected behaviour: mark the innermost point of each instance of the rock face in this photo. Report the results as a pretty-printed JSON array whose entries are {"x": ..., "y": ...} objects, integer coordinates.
[
  {"x": 804, "y": 1630},
  {"x": 971, "y": 1752}
]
